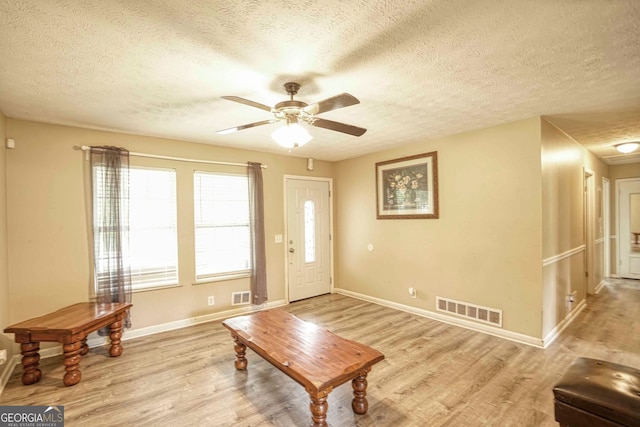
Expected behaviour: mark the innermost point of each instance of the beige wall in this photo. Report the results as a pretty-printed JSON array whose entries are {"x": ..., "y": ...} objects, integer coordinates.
[
  {"x": 563, "y": 208},
  {"x": 510, "y": 197},
  {"x": 624, "y": 171},
  {"x": 563, "y": 225},
  {"x": 49, "y": 227},
  {"x": 484, "y": 249},
  {"x": 5, "y": 340},
  {"x": 562, "y": 177}
]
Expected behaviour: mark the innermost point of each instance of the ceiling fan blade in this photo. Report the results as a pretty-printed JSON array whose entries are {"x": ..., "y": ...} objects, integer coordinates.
[
  {"x": 335, "y": 102},
  {"x": 247, "y": 102},
  {"x": 247, "y": 126},
  {"x": 337, "y": 126}
]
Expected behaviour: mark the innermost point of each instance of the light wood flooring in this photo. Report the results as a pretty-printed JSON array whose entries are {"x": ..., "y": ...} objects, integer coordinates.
[{"x": 433, "y": 375}]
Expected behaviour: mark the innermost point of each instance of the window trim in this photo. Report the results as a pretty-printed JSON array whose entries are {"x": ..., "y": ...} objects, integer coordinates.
[
  {"x": 225, "y": 275},
  {"x": 137, "y": 287}
]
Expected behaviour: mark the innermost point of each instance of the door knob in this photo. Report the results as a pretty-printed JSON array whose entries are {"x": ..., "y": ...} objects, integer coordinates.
[{"x": 291, "y": 250}]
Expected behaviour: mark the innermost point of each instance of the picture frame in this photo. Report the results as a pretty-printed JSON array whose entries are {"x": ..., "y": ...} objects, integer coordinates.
[{"x": 407, "y": 188}]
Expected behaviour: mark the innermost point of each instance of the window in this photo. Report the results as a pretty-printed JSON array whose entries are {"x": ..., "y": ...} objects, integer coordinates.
[
  {"x": 153, "y": 252},
  {"x": 222, "y": 236},
  {"x": 153, "y": 233}
]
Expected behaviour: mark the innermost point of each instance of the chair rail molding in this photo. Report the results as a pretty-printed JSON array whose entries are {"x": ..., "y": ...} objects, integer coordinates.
[{"x": 560, "y": 257}]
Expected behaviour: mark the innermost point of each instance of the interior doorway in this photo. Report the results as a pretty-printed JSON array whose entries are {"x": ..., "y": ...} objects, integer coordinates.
[
  {"x": 308, "y": 237},
  {"x": 628, "y": 221},
  {"x": 589, "y": 235},
  {"x": 605, "y": 207}
]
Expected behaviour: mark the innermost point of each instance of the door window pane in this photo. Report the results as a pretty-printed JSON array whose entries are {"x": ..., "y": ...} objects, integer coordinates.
[{"x": 309, "y": 231}]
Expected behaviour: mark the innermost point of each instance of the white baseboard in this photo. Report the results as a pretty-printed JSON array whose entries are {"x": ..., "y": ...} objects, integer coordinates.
[
  {"x": 179, "y": 324},
  {"x": 7, "y": 371},
  {"x": 485, "y": 329},
  {"x": 135, "y": 333},
  {"x": 555, "y": 332},
  {"x": 599, "y": 287}
]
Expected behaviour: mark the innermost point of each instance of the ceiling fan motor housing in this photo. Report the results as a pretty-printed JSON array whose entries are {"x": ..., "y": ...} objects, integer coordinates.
[
  {"x": 290, "y": 105},
  {"x": 291, "y": 109}
]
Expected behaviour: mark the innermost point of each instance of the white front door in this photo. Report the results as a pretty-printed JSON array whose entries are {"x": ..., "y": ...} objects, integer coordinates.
[
  {"x": 308, "y": 238},
  {"x": 629, "y": 228}
]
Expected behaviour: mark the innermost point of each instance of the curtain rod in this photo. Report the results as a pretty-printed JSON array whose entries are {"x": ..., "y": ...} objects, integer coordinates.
[{"x": 178, "y": 159}]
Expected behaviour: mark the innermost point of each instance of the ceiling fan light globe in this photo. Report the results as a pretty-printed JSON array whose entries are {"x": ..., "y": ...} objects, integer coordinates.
[
  {"x": 627, "y": 147},
  {"x": 291, "y": 135}
]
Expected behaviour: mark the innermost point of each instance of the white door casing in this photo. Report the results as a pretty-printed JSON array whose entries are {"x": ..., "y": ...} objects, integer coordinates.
[
  {"x": 589, "y": 235},
  {"x": 605, "y": 222},
  {"x": 308, "y": 242}
]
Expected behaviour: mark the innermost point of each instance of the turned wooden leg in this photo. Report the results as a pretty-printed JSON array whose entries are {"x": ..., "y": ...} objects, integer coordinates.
[
  {"x": 319, "y": 408},
  {"x": 85, "y": 347},
  {"x": 116, "y": 336},
  {"x": 72, "y": 363},
  {"x": 30, "y": 362},
  {"x": 241, "y": 349},
  {"x": 359, "y": 402}
]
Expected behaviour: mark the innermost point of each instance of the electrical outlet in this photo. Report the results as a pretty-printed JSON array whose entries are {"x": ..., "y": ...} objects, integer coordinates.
[
  {"x": 3, "y": 356},
  {"x": 211, "y": 300}
]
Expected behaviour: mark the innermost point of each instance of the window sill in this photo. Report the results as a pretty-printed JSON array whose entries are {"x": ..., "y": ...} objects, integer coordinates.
[
  {"x": 223, "y": 278},
  {"x": 156, "y": 288},
  {"x": 93, "y": 297}
]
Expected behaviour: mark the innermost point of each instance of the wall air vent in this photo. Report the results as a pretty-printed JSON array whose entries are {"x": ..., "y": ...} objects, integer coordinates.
[
  {"x": 492, "y": 316},
  {"x": 240, "y": 298}
]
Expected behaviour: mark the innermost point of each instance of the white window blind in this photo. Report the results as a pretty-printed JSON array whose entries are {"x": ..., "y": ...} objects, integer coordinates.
[
  {"x": 153, "y": 251},
  {"x": 221, "y": 225},
  {"x": 153, "y": 236}
]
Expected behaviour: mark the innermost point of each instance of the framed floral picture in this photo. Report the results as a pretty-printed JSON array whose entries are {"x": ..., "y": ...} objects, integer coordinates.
[{"x": 407, "y": 187}]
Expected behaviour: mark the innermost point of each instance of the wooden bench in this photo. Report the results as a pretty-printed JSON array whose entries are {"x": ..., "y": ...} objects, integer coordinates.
[
  {"x": 69, "y": 326},
  {"x": 312, "y": 356}
]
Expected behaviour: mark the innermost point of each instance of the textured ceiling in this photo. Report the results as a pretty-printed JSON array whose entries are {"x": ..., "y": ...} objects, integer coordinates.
[{"x": 421, "y": 69}]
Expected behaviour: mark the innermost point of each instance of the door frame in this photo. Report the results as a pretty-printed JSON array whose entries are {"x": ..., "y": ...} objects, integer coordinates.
[
  {"x": 589, "y": 235},
  {"x": 286, "y": 228},
  {"x": 618, "y": 259},
  {"x": 606, "y": 222}
]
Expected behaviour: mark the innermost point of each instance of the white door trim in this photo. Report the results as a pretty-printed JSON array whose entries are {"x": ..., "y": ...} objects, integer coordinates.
[
  {"x": 589, "y": 239},
  {"x": 286, "y": 230},
  {"x": 606, "y": 221},
  {"x": 619, "y": 239}
]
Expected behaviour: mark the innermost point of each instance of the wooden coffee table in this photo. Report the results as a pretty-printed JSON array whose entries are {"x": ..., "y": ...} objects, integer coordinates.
[
  {"x": 314, "y": 357},
  {"x": 70, "y": 327}
]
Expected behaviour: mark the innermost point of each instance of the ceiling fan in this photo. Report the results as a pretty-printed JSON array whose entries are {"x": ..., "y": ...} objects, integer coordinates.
[{"x": 292, "y": 112}]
